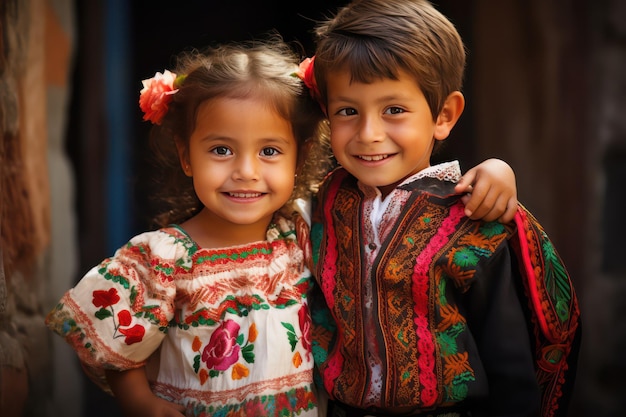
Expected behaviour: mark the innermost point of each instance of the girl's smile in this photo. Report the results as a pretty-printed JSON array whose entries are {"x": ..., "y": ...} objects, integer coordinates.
[{"x": 242, "y": 158}]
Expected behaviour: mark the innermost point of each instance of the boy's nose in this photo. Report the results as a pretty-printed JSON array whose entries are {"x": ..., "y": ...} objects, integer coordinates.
[{"x": 371, "y": 130}]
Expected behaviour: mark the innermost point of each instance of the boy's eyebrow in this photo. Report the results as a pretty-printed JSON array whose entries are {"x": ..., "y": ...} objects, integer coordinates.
[{"x": 382, "y": 99}]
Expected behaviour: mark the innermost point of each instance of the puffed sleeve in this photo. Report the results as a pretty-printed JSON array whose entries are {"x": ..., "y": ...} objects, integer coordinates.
[
  {"x": 498, "y": 322},
  {"x": 118, "y": 313}
]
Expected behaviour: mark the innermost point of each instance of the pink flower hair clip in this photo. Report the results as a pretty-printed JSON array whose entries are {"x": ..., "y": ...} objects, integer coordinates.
[
  {"x": 156, "y": 95},
  {"x": 306, "y": 74}
]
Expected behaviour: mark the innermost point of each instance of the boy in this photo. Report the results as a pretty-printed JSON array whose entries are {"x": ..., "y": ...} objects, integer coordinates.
[{"x": 425, "y": 316}]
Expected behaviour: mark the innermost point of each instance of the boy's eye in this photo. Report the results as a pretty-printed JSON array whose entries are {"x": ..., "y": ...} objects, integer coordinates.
[
  {"x": 269, "y": 152},
  {"x": 347, "y": 112},
  {"x": 394, "y": 110},
  {"x": 221, "y": 150}
]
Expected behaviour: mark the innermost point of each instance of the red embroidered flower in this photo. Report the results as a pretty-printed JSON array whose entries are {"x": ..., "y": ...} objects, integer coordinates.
[
  {"x": 222, "y": 350},
  {"x": 305, "y": 327},
  {"x": 124, "y": 318},
  {"x": 133, "y": 334},
  {"x": 156, "y": 95},
  {"x": 105, "y": 298}
]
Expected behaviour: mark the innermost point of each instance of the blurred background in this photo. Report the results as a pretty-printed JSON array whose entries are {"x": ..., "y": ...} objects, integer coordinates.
[{"x": 546, "y": 92}]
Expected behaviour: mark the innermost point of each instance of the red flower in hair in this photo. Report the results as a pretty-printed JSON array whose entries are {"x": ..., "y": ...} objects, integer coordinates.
[
  {"x": 306, "y": 74},
  {"x": 156, "y": 95}
]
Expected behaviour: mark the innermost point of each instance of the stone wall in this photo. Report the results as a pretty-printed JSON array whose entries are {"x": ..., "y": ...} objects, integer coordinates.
[{"x": 35, "y": 186}]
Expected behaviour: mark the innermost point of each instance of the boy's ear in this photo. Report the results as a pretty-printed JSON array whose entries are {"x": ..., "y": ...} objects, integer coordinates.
[
  {"x": 449, "y": 114},
  {"x": 183, "y": 156}
]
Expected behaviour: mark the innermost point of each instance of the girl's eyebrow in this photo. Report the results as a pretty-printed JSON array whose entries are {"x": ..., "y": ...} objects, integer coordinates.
[{"x": 227, "y": 139}]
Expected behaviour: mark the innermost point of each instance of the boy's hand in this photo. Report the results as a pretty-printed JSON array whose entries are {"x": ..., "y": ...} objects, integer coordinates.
[{"x": 491, "y": 193}]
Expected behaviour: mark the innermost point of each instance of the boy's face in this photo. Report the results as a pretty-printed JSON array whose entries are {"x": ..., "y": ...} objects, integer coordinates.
[{"x": 382, "y": 132}]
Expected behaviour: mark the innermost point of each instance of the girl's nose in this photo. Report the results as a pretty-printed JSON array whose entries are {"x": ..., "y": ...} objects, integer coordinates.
[{"x": 246, "y": 168}]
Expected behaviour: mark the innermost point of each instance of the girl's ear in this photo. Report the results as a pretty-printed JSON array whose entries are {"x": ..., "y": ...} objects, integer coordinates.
[
  {"x": 449, "y": 114},
  {"x": 183, "y": 156}
]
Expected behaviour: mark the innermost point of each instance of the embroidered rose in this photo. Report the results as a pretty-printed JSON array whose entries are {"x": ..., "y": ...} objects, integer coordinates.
[
  {"x": 222, "y": 350},
  {"x": 156, "y": 95},
  {"x": 133, "y": 334},
  {"x": 104, "y": 299},
  {"x": 124, "y": 318}
]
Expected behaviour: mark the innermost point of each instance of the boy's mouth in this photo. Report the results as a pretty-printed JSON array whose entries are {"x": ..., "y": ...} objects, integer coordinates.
[{"x": 373, "y": 158}]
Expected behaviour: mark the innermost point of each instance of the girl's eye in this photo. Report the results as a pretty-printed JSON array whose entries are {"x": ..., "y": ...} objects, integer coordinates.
[
  {"x": 348, "y": 111},
  {"x": 269, "y": 152},
  {"x": 394, "y": 110},
  {"x": 221, "y": 150}
]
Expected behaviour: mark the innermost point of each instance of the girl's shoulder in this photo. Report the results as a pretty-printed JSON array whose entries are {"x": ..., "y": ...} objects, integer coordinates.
[{"x": 170, "y": 242}]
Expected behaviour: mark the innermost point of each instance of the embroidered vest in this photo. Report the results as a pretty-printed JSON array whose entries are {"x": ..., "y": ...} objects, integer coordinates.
[{"x": 432, "y": 248}]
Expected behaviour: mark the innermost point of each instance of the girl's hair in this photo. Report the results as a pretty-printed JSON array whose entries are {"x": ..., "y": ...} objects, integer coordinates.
[
  {"x": 259, "y": 69},
  {"x": 374, "y": 39}
]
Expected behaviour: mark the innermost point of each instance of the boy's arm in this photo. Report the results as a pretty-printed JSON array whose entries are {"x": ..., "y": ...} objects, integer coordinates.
[
  {"x": 135, "y": 398},
  {"x": 496, "y": 318},
  {"x": 491, "y": 193}
]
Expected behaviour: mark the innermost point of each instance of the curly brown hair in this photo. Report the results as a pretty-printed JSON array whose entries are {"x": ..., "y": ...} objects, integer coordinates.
[{"x": 264, "y": 69}]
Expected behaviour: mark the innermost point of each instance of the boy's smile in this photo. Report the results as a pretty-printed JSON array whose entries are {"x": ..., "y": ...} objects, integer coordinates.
[{"x": 381, "y": 132}]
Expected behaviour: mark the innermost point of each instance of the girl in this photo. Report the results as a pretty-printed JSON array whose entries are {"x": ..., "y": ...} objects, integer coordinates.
[
  {"x": 208, "y": 315},
  {"x": 211, "y": 310}
]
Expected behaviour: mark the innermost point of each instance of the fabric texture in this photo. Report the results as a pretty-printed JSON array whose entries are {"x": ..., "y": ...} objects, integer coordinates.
[
  {"x": 222, "y": 331},
  {"x": 427, "y": 309}
]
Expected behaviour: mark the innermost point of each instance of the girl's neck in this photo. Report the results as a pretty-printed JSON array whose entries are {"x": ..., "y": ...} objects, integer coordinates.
[{"x": 212, "y": 232}]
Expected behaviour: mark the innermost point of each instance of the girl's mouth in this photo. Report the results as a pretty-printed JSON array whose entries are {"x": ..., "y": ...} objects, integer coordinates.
[{"x": 373, "y": 158}]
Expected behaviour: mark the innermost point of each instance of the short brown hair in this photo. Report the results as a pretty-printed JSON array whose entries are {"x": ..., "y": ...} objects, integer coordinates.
[{"x": 374, "y": 39}]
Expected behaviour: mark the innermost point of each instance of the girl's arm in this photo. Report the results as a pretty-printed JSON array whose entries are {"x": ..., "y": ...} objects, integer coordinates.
[
  {"x": 135, "y": 398},
  {"x": 491, "y": 193}
]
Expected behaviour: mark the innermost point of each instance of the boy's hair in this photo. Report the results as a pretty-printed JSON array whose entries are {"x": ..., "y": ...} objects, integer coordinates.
[
  {"x": 259, "y": 70},
  {"x": 374, "y": 39}
]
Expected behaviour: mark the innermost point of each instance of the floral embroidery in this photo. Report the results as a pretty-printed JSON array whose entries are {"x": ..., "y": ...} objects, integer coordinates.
[
  {"x": 240, "y": 306},
  {"x": 305, "y": 338},
  {"x": 305, "y": 329},
  {"x": 223, "y": 351},
  {"x": 107, "y": 299},
  {"x": 162, "y": 281},
  {"x": 290, "y": 403}
]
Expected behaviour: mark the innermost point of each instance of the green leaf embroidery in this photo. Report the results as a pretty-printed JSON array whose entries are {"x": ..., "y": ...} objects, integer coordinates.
[
  {"x": 103, "y": 313},
  {"x": 247, "y": 352}
]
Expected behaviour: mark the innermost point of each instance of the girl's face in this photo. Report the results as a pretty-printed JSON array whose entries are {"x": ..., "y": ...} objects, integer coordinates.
[
  {"x": 242, "y": 157},
  {"x": 381, "y": 132}
]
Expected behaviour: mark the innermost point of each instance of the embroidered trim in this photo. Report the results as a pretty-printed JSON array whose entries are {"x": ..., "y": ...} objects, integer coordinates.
[{"x": 426, "y": 341}]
